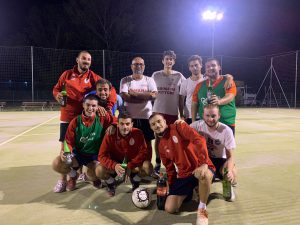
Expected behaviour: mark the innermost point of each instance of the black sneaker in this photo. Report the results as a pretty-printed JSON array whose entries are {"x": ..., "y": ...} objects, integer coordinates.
[
  {"x": 111, "y": 189},
  {"x": 156, "y": 171},
  {"x": 135, "y": 184}
]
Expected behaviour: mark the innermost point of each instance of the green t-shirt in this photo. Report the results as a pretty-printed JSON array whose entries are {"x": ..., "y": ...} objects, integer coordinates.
[
  {"x": 228, "y": 111},
  {"x": 88, "y": 139}
]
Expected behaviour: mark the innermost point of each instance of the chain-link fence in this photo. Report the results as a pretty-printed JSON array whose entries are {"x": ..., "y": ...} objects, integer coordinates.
[{"x": 29, "y": 73}]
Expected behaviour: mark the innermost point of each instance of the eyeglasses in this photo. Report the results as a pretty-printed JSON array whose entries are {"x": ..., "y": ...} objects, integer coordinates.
[{"x": 138, "y": 64}]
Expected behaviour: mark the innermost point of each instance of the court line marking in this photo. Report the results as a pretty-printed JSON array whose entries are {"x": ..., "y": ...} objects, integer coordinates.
[{"x": 26, "y": 131}]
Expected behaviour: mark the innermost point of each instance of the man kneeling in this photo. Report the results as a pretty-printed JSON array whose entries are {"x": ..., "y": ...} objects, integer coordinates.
[
  {"x": 82, "y": 141},
  {"x": 184, "y": 154},
  {"x": 126, "y": 144}
]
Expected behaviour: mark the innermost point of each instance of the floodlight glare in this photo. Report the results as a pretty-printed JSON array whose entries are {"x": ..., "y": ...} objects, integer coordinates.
[
  {"x": 219, "y": 16},
  {"x": 212, "y": 16}
]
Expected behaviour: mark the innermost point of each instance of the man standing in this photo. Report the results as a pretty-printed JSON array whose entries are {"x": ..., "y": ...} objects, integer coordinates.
[
  {"x": 137, "y": 91},
  {"x": 220, "y": 142},
  {"x": 188, "y": 86},
  {"x": 128, "y": 144},
  {"x": 184, "y": 154},
  {"x": 77, "y": 82},
  {"x": 83, "y": 138},
  {"x": 222, "y": 97},
  {"x": 168, "y": 83}
]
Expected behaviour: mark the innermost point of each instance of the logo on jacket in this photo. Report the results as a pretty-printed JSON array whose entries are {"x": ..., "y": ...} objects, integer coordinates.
[
  {"x": 131, "y": 141},
  {"x": 175, "y": 139},
  {"x": 86, "y": 80}
]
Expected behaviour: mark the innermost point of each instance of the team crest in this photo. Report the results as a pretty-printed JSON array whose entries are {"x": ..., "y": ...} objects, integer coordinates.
[
  {"x": 86, "y": 80},
  {"x": 175, "y": 139},
  {"x": 131, "y": 141}
]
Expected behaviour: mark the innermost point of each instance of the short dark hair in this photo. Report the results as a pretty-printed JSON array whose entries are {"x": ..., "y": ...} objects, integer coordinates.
[
  {"x": 91, "y": 97},
  {"x": 104, "y": 81},
  {"x": 124, "y": 115},
  {"x": 84, "y": 51},
  {"x": 193, "y": 58},
  {"x": 213, "y": 59},
  {"x": 169, "y": 53},
  {"x": 154, "y": 114}
]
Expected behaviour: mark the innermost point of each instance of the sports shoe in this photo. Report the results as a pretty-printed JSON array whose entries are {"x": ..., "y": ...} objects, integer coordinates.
[
  {"x": 71, "y": 183},
  {"x": 202, "y": 217},
  {"x": 111, "y": 189},
  {"x": 135, "y": 184},
  {"x": 97, "y": 184},
  {"x": 82, "y": 177},
  {"x": 156, "y": 171},
  {"x": 60, "y": 186}
]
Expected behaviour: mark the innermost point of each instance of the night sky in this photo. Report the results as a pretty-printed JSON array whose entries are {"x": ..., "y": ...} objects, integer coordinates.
[{"x": 249, "y": 28}]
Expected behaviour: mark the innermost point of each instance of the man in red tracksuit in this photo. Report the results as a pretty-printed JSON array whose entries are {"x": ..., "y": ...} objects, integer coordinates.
[
  {"x": 126, "y": 143},
  {"x": 184, "y": 154}
]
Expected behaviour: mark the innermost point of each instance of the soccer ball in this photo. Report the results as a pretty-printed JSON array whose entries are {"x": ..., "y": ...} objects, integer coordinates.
[{"x": 141, "y": 197}]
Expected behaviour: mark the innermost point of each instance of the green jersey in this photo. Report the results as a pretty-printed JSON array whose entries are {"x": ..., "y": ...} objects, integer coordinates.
[
  {"x": 88, "y": 139},
  {"x": 228, "y": 111}
]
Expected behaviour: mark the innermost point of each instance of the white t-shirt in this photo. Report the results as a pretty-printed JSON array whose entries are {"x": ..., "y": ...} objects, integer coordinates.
[
  {"x": 187, "y": 89},
  {"x": 138, "y": 110},
  {"x": 218, "y": 140},
  {"x": 168, "y": 87}
]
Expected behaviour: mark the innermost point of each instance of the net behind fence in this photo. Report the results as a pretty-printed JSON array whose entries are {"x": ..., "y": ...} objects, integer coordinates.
[{"x": 22, "y": 66}]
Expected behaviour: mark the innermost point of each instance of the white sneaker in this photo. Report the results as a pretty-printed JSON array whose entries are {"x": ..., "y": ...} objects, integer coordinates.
[
  {"x": 233, "y": 196},
  {"x": 202, "y": 217}
]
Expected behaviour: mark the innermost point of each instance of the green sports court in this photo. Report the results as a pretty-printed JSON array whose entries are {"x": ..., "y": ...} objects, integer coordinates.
[{"x": 267, "y": 157}]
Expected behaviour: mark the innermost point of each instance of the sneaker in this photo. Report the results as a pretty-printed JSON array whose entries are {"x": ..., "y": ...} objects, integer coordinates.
[
  {"x": 97, "y": 184},
  {"x": 156, "y": 171},
  {"x": 111, "y": 189},
  {"x": 71, "y": 183},
  {"x": 60, "y": 186},
  {"x": 202, "y": 217},
  {"x": 135, "y": 184},
  {"x": 82, "y": 177}
]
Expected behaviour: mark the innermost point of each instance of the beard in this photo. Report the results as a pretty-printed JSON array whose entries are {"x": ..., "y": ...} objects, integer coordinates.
[{"x": 211, "y": 125}]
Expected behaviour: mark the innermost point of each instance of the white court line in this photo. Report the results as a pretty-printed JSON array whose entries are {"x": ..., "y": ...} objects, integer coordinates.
[{"x": 26, "y": 131}]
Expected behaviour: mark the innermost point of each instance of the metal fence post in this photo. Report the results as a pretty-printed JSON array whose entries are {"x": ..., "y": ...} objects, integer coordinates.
[
  {"x": 103, "y": 62},
  {"x": 32, "y": 86},
  {"x": 296, "y": 79}
]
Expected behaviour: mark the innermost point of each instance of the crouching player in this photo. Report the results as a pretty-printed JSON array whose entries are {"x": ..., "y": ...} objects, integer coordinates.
[
  {"x": 220, "y": 143},
  {"x": 184, "y": 154},
  {"x": 126, "y": 143},
  {"x": 83, "y": 139}
]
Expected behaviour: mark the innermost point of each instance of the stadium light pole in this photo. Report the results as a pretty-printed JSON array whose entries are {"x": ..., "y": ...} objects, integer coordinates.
[{"x": 213, "y": 17}]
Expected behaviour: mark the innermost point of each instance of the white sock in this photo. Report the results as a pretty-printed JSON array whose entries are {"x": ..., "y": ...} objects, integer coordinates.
[
  {"x": 72, "y": 173},
  {"x": 110, "y": 180},
  {"x": 137, "y": 178},
  {"x": 202, "y": 205}
]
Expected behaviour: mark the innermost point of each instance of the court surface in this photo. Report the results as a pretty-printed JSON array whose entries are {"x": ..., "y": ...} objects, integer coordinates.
[{"x": 267, "y": 158}]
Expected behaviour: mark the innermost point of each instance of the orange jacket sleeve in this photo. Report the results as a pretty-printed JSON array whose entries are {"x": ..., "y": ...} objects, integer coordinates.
[{"x": 195, "y": 93}]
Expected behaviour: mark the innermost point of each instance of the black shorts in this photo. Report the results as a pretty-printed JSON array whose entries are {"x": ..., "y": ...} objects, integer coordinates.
[
  {"x": 84, "y": 159},
  {"x": 144, "y": 126},
  {"x": 184, "y": 186},
  {"x": 218, "y": 163},
  {"x": 63, "y": 130}
]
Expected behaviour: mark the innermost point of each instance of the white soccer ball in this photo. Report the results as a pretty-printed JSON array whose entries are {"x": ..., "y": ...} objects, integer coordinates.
[{"x": 141, "y": 197}]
